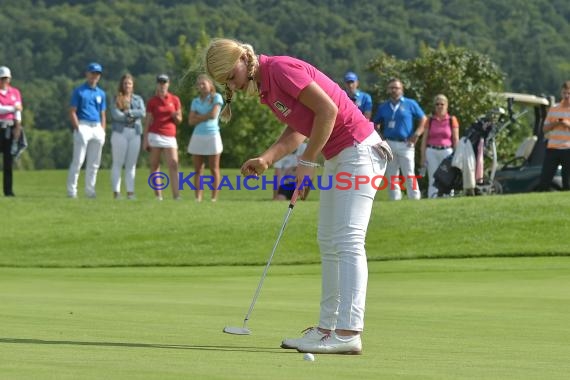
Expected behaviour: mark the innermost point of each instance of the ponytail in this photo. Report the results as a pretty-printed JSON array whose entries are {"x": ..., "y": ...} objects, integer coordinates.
[{"x": 226, "y": 113}]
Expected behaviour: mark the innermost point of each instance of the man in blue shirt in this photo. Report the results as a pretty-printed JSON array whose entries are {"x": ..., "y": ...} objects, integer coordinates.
[
  {"x": 362, "y": 99},
  {"x": 395, "y": 120},
  {"x": 88, "y": 121}
]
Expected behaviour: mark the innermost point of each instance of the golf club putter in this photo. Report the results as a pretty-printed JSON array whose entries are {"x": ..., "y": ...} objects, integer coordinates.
[{"x": 244, "y": 330}]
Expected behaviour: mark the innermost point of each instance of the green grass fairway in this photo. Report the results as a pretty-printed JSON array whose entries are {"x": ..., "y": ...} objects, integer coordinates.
[
  {"x": 47, "y": 229},
  {"x": 487, "y": 318}
]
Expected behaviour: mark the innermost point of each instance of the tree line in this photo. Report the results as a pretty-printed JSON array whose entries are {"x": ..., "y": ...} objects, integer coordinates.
[{"x": 48, "y": 43}]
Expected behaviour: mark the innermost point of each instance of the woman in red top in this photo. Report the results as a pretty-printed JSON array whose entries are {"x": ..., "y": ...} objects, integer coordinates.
[{"x": 163, "y": 114}]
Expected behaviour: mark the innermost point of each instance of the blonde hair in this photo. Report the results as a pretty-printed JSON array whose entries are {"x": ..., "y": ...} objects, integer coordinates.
[
  {"x": 440, "y": 97},
  {"x": 220, "y": 58}
]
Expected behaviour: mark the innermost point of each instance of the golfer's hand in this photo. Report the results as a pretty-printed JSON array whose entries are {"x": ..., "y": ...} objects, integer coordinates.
[
  {"x": 304, "y": 180},
  {"x": 254, "y": 166}
]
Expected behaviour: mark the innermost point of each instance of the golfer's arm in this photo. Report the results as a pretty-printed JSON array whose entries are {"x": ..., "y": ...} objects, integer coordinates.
[
  {"x": 317, "y": 100},
  {"x": 285, "y": 144}
]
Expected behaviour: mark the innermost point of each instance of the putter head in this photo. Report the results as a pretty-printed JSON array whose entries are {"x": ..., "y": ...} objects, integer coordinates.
[{"x": 237, "y": 330}]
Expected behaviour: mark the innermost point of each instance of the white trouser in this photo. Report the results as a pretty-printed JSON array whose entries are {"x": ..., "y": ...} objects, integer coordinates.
[
  {"x": 434, "y": 157},
  {"x": 125, "y": 148},
  {"x": 88, "y": 143},
  {"x": 343, "y": 220},
  {"x": 403, "y": 162}
]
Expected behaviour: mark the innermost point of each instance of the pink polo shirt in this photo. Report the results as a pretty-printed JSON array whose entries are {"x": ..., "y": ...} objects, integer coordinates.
[
  {"x": 440, "y": 131},
  {"x": 283, "y": 78},
  {"x": 10, "y": 98}
]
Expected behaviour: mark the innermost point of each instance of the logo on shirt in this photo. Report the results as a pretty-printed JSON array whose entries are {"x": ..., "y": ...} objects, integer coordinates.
[
  {"x": 99, "y": 99},
  {"x": 282, "y": 108}
]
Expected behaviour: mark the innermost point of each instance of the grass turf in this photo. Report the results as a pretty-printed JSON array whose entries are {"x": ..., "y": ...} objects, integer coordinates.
[
  {"x": 118, "y": 289},
  {"x": 431, "y": 319},
  {"x": 48, "y": 230}
]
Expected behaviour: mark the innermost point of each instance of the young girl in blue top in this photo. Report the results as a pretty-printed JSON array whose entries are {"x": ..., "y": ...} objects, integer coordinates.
[{"x": 206, "y": 141}]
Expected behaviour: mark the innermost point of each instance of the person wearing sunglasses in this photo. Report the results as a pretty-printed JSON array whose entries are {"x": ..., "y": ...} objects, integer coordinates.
[
  {"x": 395, "y": 119},
  {"x": 163, "y": 114},
  {"x": 439, "y": 139}
]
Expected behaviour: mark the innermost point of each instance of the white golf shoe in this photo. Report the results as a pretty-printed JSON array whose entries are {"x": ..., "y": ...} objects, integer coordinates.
[
  {"x": 334, "y": 344},
  {"x": 311, "y": 335}
]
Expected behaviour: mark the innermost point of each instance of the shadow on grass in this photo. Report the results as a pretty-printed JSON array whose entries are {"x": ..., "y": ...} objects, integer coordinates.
[{"x": 270, "y": 350}]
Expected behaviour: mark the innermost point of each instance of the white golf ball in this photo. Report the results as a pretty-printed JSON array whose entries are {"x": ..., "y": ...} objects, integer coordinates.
[{"x": 309, "y": 357}]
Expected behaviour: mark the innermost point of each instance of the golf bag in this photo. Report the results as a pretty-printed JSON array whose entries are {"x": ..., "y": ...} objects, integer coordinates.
[{"x": 447, "y": 177}]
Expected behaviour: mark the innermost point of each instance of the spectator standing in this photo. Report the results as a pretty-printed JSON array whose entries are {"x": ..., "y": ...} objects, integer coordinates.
[
  {"x": 439, "y": 139},
  {"x": 88, "y": 121},
  {"x": 164, "y": 112},
  {"x": 395, "y": 119},
  {"x": 557, "y": 131},
  {"x": 127, "y": 112},
  {"x": 10, "y": 126},
  {"x": 206, "y": 141},
  {"x": 362, "y": 99}
]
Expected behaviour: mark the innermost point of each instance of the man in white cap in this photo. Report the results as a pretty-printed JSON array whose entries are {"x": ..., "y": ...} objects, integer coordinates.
[
  {"x": 88, "y": 121},
  {"x": 10, "y": 125},
  {"x": 362, "y": 99}
]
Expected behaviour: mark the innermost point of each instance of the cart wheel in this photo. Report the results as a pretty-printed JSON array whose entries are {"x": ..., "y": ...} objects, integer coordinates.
[{"x": 497, "y": 188}]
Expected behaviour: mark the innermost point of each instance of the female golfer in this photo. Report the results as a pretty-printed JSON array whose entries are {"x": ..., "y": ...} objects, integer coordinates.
[{"x": 314, "y": 106}]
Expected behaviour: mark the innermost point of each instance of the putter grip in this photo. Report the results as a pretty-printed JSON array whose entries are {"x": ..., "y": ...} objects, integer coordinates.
[{"x": 294, "y": 198}]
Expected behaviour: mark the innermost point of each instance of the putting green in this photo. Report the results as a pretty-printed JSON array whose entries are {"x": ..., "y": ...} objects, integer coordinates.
[{"x": 431, "y": 319}]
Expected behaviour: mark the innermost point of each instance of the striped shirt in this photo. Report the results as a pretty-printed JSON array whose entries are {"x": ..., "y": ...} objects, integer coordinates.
[{"x": 558, "y": 137}]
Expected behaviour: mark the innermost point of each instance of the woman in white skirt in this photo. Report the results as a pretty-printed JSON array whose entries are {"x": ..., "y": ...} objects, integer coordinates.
[
  {"x": 206, "y": 142},
  {"x": 163, "y": 114},
  {"x": 127, "y": 112}
]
